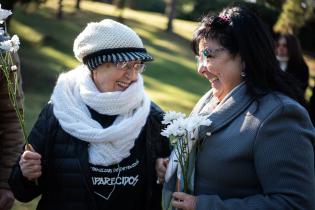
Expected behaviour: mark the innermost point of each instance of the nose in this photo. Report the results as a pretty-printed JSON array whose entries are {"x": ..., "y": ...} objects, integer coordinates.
[
  {"x": 202, "y": 69},
  {"x": 132, "y": 74}
]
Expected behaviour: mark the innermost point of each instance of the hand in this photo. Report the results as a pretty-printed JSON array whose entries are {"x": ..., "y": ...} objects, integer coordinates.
[
  {"x": 160, "y": 167},
  {"x": 184, "y": 201},
  {"x": 30, "y": 164},
  {"x": 6, "y": 199}
]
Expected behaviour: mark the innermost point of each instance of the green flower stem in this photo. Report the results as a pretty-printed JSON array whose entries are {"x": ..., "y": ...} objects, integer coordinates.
[
  {"x": 6, "y": 63},
  {"x": 183, "y": 155}
]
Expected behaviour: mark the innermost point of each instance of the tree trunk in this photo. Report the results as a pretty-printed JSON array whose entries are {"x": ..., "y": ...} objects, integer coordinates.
[
  {"x": 59, "y": 10},
  {"x": 170, "y": 11},
  {"x": 77, "y": 5},
  {"x": 120, "y": 5}
]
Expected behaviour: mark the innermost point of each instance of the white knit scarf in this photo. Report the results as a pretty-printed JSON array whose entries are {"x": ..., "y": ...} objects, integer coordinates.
[{"x": 76, "y": 89}]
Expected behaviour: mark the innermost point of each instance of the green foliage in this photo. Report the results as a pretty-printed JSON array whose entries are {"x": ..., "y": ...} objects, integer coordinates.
[
  {"x": 294, "y": 15},
  {"x": 193, "y": 10},
  {"x": 148, "y": 5},
  {"x": 275, "y": 4},
  {"x": 268, "y": 14},
  {"x": 200, "y": 7},
  {"x": 9, "y": 4}
]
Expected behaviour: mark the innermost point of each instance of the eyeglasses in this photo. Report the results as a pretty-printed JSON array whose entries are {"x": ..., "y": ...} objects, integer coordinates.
[
  {"x": 129, "y": 66},
  {"x": 206, "y": 53}
]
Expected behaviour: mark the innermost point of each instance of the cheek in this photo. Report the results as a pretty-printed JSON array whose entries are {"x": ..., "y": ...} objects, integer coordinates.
[
  {"x": 230, "y": 75},
  {"x": 214, "y": 68}
]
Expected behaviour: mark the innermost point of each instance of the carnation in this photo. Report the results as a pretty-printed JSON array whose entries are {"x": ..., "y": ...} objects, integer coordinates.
[{"x": 4, "y": 13}]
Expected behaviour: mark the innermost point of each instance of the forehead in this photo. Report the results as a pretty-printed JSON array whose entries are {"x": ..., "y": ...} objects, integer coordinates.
[
  {"x": 207, "y": 43},
  {"x": 133, "y": 62},
  {"x": 282, "y": 40}
]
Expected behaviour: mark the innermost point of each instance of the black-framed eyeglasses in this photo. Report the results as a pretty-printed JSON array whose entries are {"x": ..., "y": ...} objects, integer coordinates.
[{"x": 128, "y": 66}]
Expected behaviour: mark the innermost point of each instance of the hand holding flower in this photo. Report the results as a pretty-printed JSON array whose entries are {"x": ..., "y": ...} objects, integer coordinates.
[
  {"x": 184, "y": 201},
  {"x": 160, "y": 167},
  {"x": 30, "y": 164},
  {"x": 180, "y": 131}
]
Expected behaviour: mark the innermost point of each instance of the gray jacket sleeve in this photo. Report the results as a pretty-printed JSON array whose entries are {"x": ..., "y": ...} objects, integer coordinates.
[{"x": 283, "y": 155}]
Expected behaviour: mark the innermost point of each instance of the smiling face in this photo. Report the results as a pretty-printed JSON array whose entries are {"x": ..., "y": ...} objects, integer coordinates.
[
  {"x": 108, "y": 78},
  {"x": 222, "y": 69}
]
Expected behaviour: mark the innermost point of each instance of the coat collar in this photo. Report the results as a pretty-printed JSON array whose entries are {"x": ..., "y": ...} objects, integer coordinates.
[{"x": 232, "y": 105}]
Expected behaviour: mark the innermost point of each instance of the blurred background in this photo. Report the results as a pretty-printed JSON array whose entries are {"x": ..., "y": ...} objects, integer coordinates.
[{"x": 47, "y": 29}]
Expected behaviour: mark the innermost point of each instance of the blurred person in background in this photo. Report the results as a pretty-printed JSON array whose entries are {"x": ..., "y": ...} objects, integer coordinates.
[
  {"x": 290, "y": 57},
  {"x": 11, "y": 136},
  {"x": 96, "y": 142}
]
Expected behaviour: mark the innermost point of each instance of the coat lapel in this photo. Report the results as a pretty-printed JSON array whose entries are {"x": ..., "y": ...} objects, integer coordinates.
[{"x": 231, "y": 107}]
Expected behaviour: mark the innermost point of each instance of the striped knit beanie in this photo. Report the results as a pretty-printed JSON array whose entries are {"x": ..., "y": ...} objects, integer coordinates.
[{"x": 108, "y": 42}]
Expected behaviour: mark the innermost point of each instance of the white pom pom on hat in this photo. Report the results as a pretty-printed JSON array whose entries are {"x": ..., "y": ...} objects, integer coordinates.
[{"x": 108, "y": 41}]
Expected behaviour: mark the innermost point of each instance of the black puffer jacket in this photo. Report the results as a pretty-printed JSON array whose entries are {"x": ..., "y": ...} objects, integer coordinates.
[{"x": 65, "y": 183}]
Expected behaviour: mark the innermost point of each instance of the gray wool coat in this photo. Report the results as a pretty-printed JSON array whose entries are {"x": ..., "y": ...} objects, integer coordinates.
[{"x": 255, "y": 155}]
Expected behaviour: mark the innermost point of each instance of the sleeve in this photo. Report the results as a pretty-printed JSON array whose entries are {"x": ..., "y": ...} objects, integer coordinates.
[
  {"x": 304, "y": 77},
  {"x": 11, "y": 136},
  {"x": 162, "y": 145},
  {"x": 283, "y": 155},
  {"x": 23, "y": 189}
]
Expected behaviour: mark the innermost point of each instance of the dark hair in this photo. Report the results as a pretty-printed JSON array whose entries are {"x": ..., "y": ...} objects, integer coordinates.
[
  {"x": 294, "y": 50},
  {"x": 242, "y": 32},
  {"x": 293, "y": 46}
]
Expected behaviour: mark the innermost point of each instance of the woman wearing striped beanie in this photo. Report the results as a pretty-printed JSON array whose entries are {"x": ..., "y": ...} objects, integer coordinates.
[{"x": 96, "y": 141}]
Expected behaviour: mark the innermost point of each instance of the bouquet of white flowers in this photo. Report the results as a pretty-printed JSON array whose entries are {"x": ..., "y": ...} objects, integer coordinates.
[
  {"x": 180, "y": 131},
  {"x": 8, "y": 69}
]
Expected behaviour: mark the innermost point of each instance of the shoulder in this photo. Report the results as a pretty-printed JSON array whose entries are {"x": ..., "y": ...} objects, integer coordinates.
[
  {"x": 277, "y": 101},
  {"x": 277, "y": 110},
  {"x": 47, "y": 111},
  {"x": 47, "y": 115},
  {"x": 156, "y": 112}
]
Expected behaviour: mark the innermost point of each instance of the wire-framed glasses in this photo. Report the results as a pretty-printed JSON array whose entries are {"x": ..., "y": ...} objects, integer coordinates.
[
  {"x": 206, "y": 54},
  {"x": 128, "y": 66}
]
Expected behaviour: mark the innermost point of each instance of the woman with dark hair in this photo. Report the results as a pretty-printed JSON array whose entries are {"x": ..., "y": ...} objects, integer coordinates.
[
  {"x": 258, "y": 153},
  {"x": 290, "y": 58}
]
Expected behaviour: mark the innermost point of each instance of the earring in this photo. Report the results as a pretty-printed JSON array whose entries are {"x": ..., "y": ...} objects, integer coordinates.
[{"x": 243, "y": 74}]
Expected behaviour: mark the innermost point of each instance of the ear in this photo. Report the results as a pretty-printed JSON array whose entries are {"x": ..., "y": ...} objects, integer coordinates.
[
  {"x": 93, "y": 72},
  {"x": 243, "y": 65}
]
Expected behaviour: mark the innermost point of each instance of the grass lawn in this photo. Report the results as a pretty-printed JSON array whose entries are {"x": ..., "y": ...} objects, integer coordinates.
[{"x": 46, "y": 51}]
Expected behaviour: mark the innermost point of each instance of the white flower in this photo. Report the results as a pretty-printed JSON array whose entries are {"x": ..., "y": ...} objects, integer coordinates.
[
  {"x": 176, "y": 128},
  {"x": 4, "y": 13},
  {"x": 11, "y": 45},
  {"x": 171, "y": 116},
  {"x": 14, "y": 68},
  {"x": 196, "y": 121},
  {"x": 179, "y": 126},
  {"x": 6, "y": 45},
  {"x": 15, "y": 41}
]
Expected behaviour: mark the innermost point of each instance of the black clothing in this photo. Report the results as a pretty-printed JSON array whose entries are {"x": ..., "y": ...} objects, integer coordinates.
[
  {"x": 312, "y": 106},
  {"x": 300, "y": 72},
  {"x": 66, "y": 180},
  {"x": 119, "y": 186}
]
